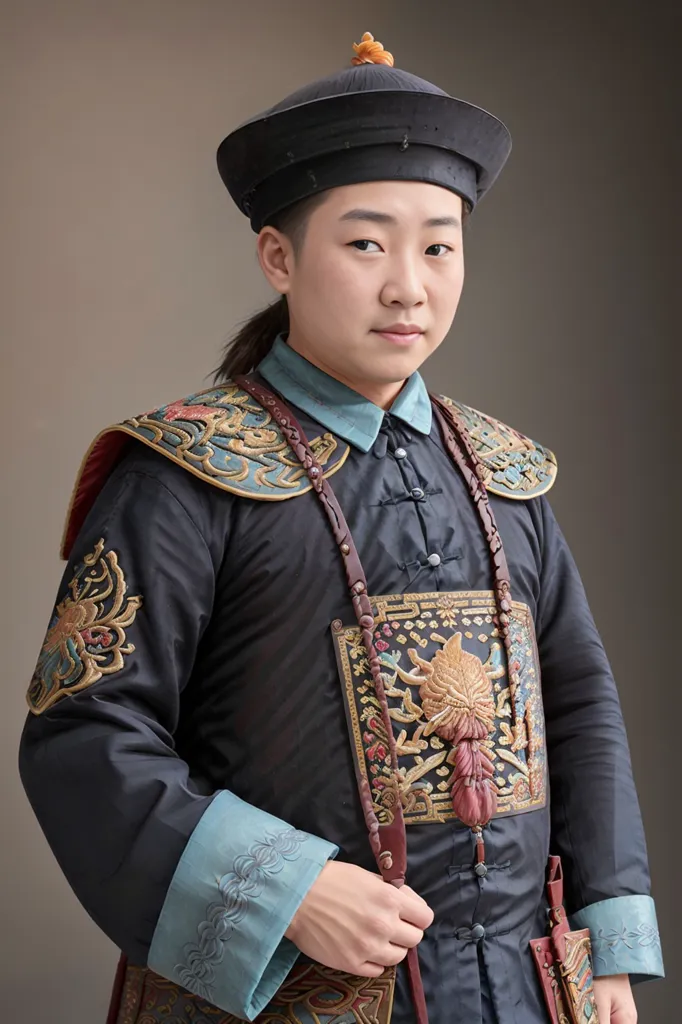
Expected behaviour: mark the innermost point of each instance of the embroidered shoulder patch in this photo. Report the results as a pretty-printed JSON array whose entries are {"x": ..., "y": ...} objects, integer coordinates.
[
  {"x": 225, "y": 435},
  {"x": 221, "y": 435},
  {"x": 513, "y": 465},
  {"x": 86, "y": 637}
]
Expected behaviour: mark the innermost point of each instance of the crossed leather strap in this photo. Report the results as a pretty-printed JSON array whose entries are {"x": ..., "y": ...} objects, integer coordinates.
[{"x": 474, "y": 795}]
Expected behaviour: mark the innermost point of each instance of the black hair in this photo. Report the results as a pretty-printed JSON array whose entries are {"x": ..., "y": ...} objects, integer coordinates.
[{"x": 256, "y": 336}]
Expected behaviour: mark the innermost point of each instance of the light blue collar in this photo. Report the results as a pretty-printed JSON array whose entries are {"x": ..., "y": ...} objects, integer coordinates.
[{"x": 337, "y": 407}]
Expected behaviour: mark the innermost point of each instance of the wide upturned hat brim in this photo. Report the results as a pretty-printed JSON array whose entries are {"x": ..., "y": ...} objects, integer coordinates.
[{"x": 368, "y": 123}]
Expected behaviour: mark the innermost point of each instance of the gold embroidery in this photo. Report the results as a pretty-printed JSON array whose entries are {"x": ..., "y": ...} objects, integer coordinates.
[
  {"x": 131, "y": 995},
  {"x": 221, "y": 435},
  {"x": 512, "y": 465},
  {"x": 455, "y": 686},
  {"x": 86, "y": 638},
  {"x": 226, "y": 436},
  {"x": 447, "y": 674}
]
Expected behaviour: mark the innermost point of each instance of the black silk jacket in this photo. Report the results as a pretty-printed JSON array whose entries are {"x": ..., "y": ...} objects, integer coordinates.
[{"x": 234, "y": 685}]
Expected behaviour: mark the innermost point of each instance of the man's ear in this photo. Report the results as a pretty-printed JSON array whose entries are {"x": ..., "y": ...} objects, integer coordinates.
[{"x": 276, "y": 258}]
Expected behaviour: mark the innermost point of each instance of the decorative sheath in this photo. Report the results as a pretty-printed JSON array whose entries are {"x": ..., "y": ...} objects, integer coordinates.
[{"x": 564, "y": 961}]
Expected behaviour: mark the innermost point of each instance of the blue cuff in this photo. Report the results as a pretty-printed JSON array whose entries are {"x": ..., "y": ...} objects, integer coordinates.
[
  {"x": 624, "y": 934},
  {"x": 239, "y": 882}
]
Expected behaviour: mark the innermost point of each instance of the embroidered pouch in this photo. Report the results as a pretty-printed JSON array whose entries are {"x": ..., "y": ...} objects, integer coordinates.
[{"x": 564, "y": 962}]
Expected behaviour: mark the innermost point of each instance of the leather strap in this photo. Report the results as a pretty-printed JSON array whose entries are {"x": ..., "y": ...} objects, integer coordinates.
[
  {"x": 555, "y": 897},
  {"x": 462, "y": 453},
  {"x": 389, "y": 842}
]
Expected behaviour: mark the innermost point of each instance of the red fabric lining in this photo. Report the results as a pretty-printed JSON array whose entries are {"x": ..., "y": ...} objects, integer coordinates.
[{"x": 98, "y": 464}]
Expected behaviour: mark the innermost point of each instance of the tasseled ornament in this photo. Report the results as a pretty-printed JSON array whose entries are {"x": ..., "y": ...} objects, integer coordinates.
[
  {"x": 457, "y": 698},
  {"x": 369, "y": 51}
]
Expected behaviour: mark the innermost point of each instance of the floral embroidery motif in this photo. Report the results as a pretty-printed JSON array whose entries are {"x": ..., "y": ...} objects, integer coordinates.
[
  {"x": 86, "y": 638},
  {"x": 605, "y": 944},
  {"x": 513, "y": 466},
  {"x": 450, "y": 672},
  {"x": 238, "y": 888}
]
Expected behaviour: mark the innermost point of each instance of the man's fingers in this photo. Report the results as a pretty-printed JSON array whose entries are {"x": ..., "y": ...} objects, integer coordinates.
[
  {"x": 353, "y": 921},
  {"x": 409, "y": 891},
  {"x": 370, "y": 970},
  {"x": 414, "y": 909},
  {"x": 406, "y": 935},
  {"x": 391, "y": 954}
]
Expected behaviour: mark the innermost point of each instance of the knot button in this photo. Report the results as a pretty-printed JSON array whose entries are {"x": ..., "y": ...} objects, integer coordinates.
[
  {"x": 434, "y": 560},
  {"x": 477, "y": 932},
  {"x": 400, "y": 453}
]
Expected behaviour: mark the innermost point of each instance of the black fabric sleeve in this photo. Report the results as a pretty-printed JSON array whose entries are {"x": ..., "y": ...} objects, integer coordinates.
[
  {"x": 596, "y": 823},
  {"x": 116, "y": 803}
]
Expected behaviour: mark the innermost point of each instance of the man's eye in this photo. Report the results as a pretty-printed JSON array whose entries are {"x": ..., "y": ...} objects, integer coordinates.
[
  {"x": 438, "y": 245},
  {"x": 363, "y": 244}
]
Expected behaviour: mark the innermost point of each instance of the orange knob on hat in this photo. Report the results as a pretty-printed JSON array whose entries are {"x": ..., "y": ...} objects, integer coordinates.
[{"x": 369, "y": 51}]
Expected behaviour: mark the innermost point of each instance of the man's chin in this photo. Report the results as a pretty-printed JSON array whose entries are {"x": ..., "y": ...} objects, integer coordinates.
[{"x": 394, "y": 367}]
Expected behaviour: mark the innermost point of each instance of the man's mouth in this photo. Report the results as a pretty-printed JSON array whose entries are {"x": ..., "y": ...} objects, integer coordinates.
[{"x": 401, "y": 334}]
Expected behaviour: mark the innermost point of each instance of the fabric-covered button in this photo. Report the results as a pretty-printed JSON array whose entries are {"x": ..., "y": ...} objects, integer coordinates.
[
  {"x": 400, "y": 453},
  {"x": 417, "y": 492},
  {"x": 434, "y": 560},
  {"x": 477, "y": 932}
]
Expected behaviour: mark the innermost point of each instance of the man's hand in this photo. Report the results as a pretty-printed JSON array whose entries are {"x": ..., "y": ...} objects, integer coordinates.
[
  {"x": 615, "y": 1002},
  {"x": 353, "y": 921}
]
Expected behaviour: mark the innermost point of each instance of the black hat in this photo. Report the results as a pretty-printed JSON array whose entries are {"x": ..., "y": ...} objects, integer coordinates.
[{"x": 369, "y": 122}]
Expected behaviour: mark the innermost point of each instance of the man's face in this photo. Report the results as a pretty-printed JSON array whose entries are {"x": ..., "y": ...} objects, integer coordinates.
[{"x": 378, "y": 259}]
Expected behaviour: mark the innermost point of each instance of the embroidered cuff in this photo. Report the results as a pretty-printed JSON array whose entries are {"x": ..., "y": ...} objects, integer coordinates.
[
  {"x": 624, "y": 934},
  {"x": 238, "y": 884}
]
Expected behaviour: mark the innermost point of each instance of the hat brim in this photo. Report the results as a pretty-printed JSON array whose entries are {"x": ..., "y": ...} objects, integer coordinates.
[{"x": 260, "y": 149}]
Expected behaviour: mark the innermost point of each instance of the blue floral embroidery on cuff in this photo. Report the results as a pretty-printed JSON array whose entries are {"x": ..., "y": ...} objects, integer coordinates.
[
  {"x": 237, "y": 889},
  {"x": 624, "y": 935}
]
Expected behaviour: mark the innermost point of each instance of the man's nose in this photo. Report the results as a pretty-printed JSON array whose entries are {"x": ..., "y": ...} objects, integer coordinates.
[{"x": 405, "y": 286}]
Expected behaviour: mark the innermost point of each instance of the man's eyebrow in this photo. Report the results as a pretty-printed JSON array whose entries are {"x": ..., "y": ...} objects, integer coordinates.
[
  {"x": 385, "y": 218},
  {"x": 442, "y": 222}
]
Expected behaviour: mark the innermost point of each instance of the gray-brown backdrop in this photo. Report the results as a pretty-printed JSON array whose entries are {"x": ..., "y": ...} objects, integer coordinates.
[{"x": 124, "y": 266}]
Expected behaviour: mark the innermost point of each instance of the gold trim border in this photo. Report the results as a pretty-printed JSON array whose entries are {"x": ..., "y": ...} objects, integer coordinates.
[{"x": 230, "y": 488}]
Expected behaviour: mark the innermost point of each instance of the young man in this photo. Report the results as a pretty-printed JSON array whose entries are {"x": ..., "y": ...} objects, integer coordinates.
[{"x": 298, "y": 646}]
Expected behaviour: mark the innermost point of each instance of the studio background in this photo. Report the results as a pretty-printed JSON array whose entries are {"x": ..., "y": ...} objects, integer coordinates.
[{"x": 125, "y": 267}]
